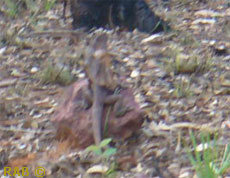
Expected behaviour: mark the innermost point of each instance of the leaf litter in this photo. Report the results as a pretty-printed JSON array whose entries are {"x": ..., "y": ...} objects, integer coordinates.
[{"x": 175, "y": 97}]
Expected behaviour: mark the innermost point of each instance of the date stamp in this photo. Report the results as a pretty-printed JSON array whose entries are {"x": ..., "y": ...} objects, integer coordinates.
[{"x": 24, "y": 171}]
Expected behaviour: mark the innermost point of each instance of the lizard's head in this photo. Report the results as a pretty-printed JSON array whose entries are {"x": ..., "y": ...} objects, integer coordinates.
[
  {"x": 98, "y": 62},
  {"x": 97, "y": 50},
  {"x": 100, "y": 43}
]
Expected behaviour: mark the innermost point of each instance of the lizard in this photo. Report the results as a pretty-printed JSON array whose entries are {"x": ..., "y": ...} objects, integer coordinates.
[{"x": 102, "y": 84}]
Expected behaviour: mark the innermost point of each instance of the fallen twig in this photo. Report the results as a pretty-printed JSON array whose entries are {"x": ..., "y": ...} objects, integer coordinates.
[
  {"x": 15, "y": 129},
  {"x": 56, "y": 33}
]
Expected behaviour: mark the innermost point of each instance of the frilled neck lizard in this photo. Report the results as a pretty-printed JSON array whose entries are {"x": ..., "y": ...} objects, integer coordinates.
[{"x": 102, "y": 84}]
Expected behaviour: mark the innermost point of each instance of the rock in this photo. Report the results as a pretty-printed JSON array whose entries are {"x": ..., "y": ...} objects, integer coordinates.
[
  {"x": 34, "y": 70},
  {"x": 73, "y": 122},
  {"x": 134, "y": 74}
]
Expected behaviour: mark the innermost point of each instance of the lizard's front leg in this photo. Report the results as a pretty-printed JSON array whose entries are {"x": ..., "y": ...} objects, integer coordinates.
[
  {"x": 87, "y": 98},
  {"x": 119, "y": 107}
]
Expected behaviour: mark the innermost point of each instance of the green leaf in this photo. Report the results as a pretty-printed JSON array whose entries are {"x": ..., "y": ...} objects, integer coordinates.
[
  {"x": 49, "y": 4},
  {"x": 226, "y": 153},
  {"x": 225, "y": 161},
  {"x": 98, "y": 152},
  {"x": 11, "y": 8},
  {"x": 91, "y": 148},
  {"x": 111, "y": 173},
  {"x": 95, "y": 149},
  {"x": 109, "y": 152},
  {"x": 105, "y": 142}
]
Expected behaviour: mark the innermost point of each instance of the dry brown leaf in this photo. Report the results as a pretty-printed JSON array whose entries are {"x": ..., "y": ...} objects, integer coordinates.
[
  {"x": 7, "y": 82},
  {"x": 97, "y": 169},
  {"x": 23, "y": 161},
  {"x": 208, "y": 13}
]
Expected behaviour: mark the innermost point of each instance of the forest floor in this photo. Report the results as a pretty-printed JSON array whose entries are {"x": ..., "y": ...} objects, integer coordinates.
[{"x": 181, "y": 80}]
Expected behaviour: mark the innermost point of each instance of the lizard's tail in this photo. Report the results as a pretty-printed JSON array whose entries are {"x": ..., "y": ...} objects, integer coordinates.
[{"x": 97, "y": 112}]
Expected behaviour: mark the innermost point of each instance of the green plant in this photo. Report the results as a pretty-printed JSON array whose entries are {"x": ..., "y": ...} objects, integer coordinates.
[
  {"x": 103, "y": 149},
  {"x": 11, "y": 8},
  {"x": 182, "y": 89},
  {"x": 49, "y": 4},
  {"x": 179, "y": 62},
  {"x": 207, "y": 160},
  {"x": 224, "y": 164},
  {"x": 52, "y": 73},
  {"x": 112, "y": 173},
  {"x": 186, "y": 64}
]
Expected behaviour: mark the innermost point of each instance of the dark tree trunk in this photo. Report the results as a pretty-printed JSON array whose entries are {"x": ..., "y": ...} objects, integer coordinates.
[{"x": 127, "y": 14}]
